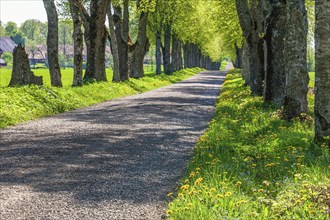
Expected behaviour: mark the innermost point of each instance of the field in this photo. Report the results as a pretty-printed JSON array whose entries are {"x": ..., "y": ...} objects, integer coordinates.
[
  {"x": 20, "y": 104},
  {"x": 250, "y": 164}
]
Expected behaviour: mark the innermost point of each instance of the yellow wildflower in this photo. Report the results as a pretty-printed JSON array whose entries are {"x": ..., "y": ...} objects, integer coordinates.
[
  {"x": 228, "y": 194},
  {"x": 198, "y": 181}
]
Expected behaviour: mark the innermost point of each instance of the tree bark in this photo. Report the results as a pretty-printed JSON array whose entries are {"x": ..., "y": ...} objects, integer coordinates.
[
  {"x": 22, "y": 74},
  {"x": 186, "y": 55},
  {"x": 121, "y": 20},
  {"x": 52, "y": 43},
  {"x": 167, "y": 49},
  {"x": 246, "y": 65},
  {"x": 114, "y": 46},
  {"x": 158, "y": 52},
  {"x": 251, "y": 23},
  {"x": 141, "y": 47},
  {"x": 295, "y": 101},
  {"x": 238, "y": 61},
  {"x": 176, "y": 53},
  {"x": 275, "y": 35},
  {"x": 78, "y": 44},
  {"x": 97, "y": 37},
  {"x": 322, "y": 71}
]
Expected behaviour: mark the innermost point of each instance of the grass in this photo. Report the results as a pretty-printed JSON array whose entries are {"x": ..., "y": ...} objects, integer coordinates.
[
  {"x": 223, "y": 65},
  {"x": 24, "y": 103},
  {"x": 311, "y": 79},
  {"x": 250, "y": 164}
]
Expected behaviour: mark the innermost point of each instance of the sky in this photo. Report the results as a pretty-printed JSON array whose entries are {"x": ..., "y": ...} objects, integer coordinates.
[{"x": 21, "y": 10}]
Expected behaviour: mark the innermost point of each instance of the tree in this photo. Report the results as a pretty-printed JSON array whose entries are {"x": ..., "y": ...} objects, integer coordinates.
[
  {"x": 322, "y": 71},
  {"x": 78, "y": 43},
  {"x": 121, "y": 22},
  {"x": 97, "y": 40},
  {"x": 52, "y": 43},
  {"x": 65, "y": 34},
  {"x": 11, "y": 28},
  {"x": 141, "y": 46},
  {"x": 295, "y": 50},
  {"x": 114, "y": 45},
  {"x": 2, "y": 29},
  {"x": 30, "y": 28},
  {"x": 275, "y": 35},
  {"x": 251, "y": 21}
]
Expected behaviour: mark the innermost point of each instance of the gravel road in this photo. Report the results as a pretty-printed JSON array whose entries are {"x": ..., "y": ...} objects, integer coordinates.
[{"x": 114, "y": 160}]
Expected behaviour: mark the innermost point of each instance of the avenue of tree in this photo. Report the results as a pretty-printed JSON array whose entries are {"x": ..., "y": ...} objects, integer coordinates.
[{"x": 270, "y": 40}]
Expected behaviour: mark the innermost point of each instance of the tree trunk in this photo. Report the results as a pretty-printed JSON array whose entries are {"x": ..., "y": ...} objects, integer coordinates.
[
  {"x": 78, "y": 44},
  {"x": 141, "y": 47},
  {"x": 167, "y": 49},
  {"x": 295, "y": 101},
  {"x": 275, "y": 34},
  {"x": 97, "y": 37},
  {"x": 52, "y": 43},
  {"x": 186, "y": 55},
  {"x": 121, "y": 29},
  {"x": 158, "y": 52},
  {"x": 22, "y": 74},
  {"x": 322, "y": 71},
  {"x": 238, "y": 61},
  {"x": 251, "y": 24},
  {"x": 114, "y": 46},
  {"x": 246, "y": 65},
  {"x": 176, "y": 53}
]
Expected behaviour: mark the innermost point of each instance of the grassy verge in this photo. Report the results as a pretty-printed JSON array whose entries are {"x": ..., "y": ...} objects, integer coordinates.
[
  {"x": 250, "y": 164},
  {"x": 20, "y": 104}
]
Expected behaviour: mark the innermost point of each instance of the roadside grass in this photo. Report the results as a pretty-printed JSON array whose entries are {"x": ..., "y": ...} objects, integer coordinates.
[
  {"x": 250, "y": 164},
  {"x": 223, "y": 65},
  {"x": 19, "y": 104},
  {"x": 311, "y": 79}
]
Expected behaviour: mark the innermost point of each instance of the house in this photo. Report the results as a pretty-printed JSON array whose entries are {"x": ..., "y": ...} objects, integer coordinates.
[
  {"x": 2, "y": 63},
  {"x": 6, "y": 45}
]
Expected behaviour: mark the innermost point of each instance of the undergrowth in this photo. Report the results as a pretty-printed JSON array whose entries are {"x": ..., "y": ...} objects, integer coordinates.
[
  {"x": 250, "y": 164},
  {"x": 19, "y": 104}
]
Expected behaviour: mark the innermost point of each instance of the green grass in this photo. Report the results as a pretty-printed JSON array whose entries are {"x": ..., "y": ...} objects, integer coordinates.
[
  {"x": 250, "y": 164},
  {"x": 24, "y": 103},
  {"x": 223, "y": 65},
  {"x": 311, "y": 79}
]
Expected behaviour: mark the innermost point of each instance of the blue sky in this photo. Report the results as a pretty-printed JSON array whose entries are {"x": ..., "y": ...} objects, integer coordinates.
[{"x": 21, "y": 10}]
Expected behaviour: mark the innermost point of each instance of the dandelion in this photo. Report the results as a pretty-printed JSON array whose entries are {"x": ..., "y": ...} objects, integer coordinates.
[
  {"x": 228, "y": 194},
  {"x": 238, "y": 183},
  {"x": 180, "y": 194},
  {"x": 260, "y": 190},
  {"x": 198, "y": 169},
  {"x": 298, "y": 176},
  {"x": 168, "y": 212},
  {"x": 277, "y": 184},
  {"x": 192, "y": 174},
  {"x": 170, "y": 194},
  {"x": 213, "y": 190},
  {"x": 219, "y": 196},
  {"x": 185, "y": 187},
  {"x": 190, "y": 204},
  {"x": 267, "y": 183},
  {"x": 198, "y": 181}
]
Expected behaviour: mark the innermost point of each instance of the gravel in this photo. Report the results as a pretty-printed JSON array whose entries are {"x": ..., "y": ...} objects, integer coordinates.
[{"x": 114, "y": 160}]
